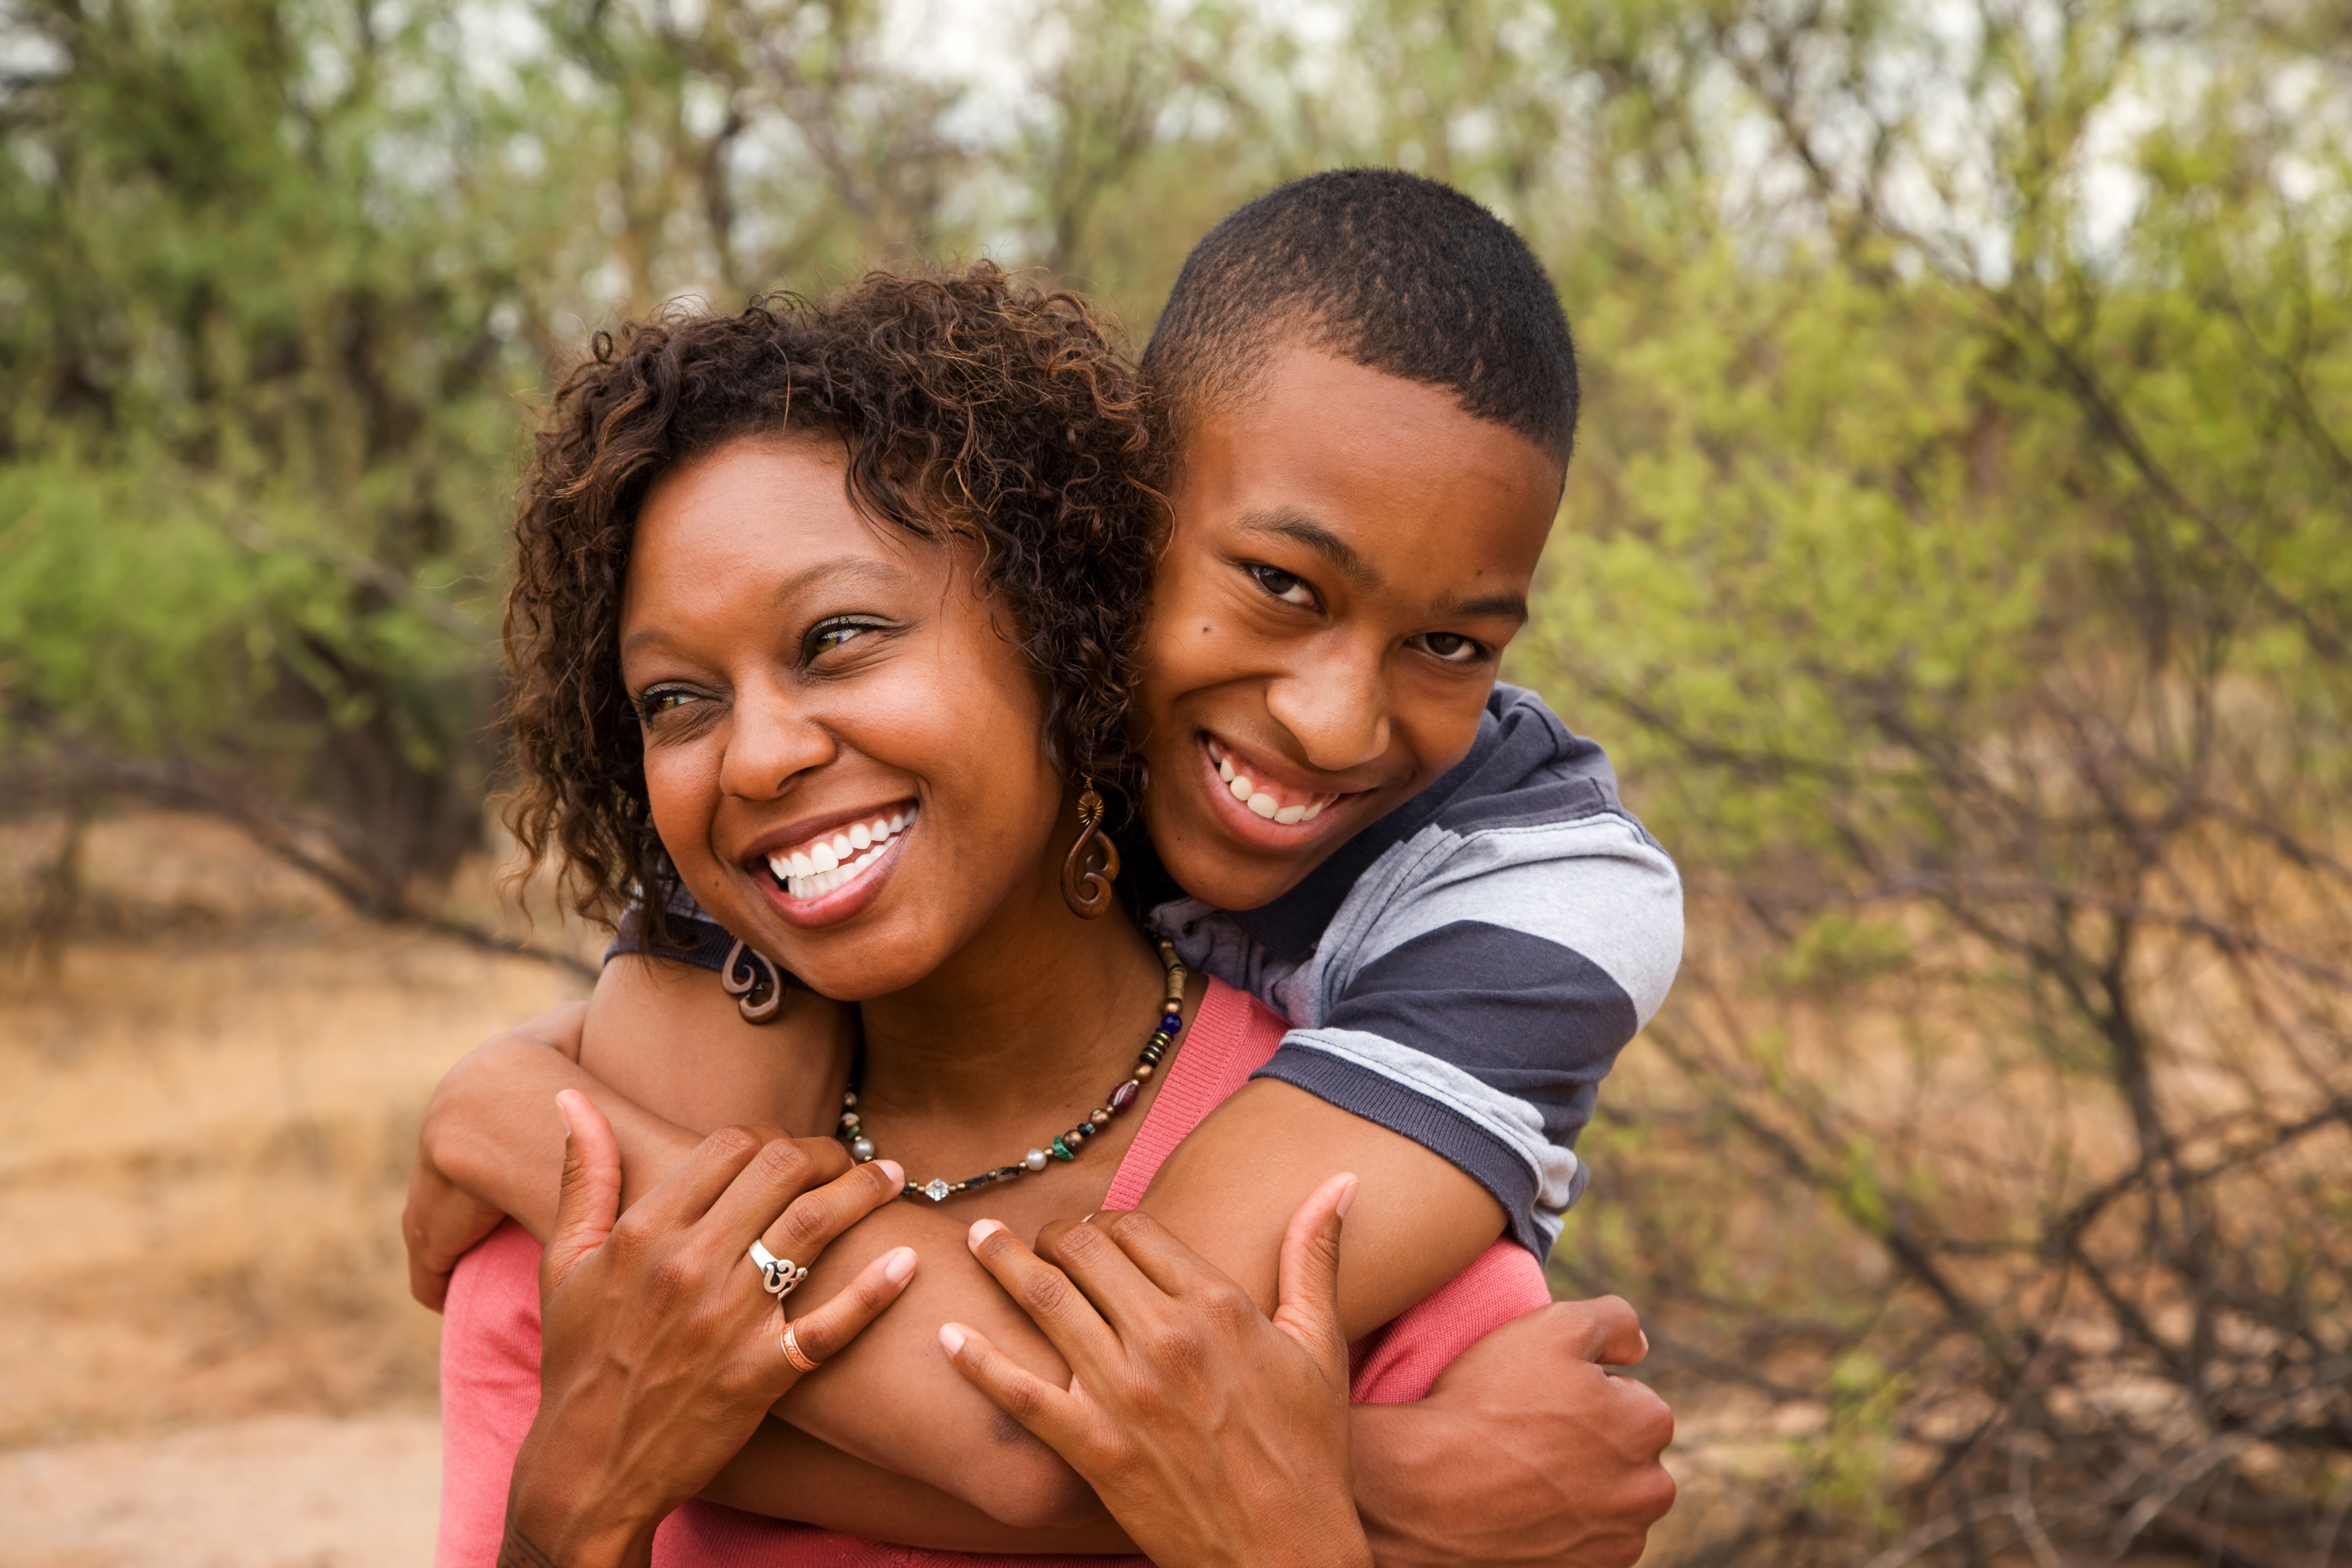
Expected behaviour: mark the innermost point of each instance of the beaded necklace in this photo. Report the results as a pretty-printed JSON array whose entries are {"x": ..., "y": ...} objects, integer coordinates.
[{"x": 1065, "y": 1144}]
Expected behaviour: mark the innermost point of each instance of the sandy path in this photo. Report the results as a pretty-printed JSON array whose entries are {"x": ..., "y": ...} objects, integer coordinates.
[{"x": 278, "y": 1491}]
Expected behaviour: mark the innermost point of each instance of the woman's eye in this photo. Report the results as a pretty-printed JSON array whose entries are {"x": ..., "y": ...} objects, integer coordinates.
[
  {"x": 826, "y": 636},
  {"x": 1452, "y": 647},
  {"x": 1283, "y": 587},
  {"x": 661, "y": 700}
]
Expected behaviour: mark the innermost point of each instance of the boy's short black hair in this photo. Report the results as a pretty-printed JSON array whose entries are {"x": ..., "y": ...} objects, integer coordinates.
[{"x": 1401, "y": 274}]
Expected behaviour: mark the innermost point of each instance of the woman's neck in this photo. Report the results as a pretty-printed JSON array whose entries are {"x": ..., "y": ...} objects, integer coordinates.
[{"x": 1037, "y": 1018}]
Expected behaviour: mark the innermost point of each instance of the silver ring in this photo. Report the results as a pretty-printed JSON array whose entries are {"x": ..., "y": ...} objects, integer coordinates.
[{"x": 777, "y": 1275}]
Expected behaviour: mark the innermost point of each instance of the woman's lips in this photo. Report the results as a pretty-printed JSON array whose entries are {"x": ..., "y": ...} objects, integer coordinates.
[
  {"x": 831, "y": 860},
  {"x": 806, "y": 892}
]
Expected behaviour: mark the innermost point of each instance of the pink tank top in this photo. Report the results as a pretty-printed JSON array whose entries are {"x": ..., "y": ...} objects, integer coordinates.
[{"x": 489, "y": 1347}]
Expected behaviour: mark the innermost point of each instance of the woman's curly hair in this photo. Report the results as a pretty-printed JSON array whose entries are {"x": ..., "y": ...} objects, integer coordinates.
[{"x": 965, "y": 404}]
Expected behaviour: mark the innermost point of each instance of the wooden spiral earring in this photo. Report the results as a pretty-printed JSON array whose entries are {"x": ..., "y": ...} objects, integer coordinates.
[
  {"x": 752, "y": 981},
  {"x": 1093, "y": 863}
]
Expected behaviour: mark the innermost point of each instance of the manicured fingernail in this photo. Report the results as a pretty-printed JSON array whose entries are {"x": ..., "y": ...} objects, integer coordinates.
[
  {"x": 1645, "y": 1341},
  {"x": 952, "y": 1337},
  {"x": 892, "y": 1169},
  {"x": 900, "y": 1265},
  {"x": 981, "y": 1231},
  {"x": 564, "y": 1108},
  {"x": 1347, "y": 1197}
]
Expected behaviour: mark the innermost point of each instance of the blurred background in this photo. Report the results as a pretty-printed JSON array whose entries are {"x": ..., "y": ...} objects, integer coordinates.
[{"x": 1956, "y": 561}]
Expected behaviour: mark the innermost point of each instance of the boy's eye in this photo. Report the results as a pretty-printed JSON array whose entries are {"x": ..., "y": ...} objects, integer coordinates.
[
  {"x": 1452, "y": 647},
  {"x": 1283, "y": 587}
]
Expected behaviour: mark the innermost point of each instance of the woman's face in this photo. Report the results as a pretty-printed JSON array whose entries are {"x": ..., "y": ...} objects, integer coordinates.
[{"x": 842, "y": 751}]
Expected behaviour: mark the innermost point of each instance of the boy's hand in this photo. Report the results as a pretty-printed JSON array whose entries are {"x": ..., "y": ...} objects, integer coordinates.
[
  {"x": 1213, "y": 1435},
  {"x": 440, "y": 1225},
  {"x": 661, "y": 1352},
  {"x": 1525, "y": 1452}
]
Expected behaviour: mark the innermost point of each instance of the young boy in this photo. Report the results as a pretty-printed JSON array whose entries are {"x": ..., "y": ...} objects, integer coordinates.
[{"x": 1372, "y": 396}]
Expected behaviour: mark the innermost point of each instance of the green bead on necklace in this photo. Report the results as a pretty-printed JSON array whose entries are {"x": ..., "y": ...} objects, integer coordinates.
[{"x": 1066, "y": 1145}]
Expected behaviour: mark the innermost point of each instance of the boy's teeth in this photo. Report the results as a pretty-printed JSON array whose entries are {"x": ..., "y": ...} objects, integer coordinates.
[
  {"x": 1263, "y": 804},
  {"x": 1286, "y": 815},
  {"x": 1240, "y": 786},
  {"x": 1226, "y": 768},
  {"x": 829, "y": 863},
  {"x": 1313, "y": 812}
]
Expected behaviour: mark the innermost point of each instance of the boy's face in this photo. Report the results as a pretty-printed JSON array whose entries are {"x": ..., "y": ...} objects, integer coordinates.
[{"x": 1349, "y": 553}]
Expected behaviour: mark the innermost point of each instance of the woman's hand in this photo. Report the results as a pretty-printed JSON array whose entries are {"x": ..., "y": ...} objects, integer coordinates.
[
  {"x": 662, "y": 1350},
  {"x": 1213, "y": 1435}
]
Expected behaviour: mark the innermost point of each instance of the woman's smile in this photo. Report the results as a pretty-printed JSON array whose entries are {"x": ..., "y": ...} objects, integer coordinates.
[{"x": 817, "y": 876}]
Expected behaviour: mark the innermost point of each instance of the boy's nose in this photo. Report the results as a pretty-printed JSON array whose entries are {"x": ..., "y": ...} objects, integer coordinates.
[{"x": 1338, "y": 711}]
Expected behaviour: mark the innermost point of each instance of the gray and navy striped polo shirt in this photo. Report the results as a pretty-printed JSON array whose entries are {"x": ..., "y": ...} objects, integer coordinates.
[{"x": 1465, "y": 971}]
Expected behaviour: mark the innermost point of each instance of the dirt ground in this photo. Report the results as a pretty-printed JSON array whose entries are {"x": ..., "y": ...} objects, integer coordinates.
[{"x": 207, "y": 1104}]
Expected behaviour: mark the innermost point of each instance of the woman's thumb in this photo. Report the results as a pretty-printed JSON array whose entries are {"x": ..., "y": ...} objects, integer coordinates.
[
  {"x": 1308, "y": 1280},
  {"x": 591, "y": 1197}
]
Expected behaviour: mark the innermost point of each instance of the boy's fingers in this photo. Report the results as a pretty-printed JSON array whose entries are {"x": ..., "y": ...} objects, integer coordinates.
[
  {"x": 1057, "y": 1307},
  {"x": 1605, "y": 1330},
  {"x": 812, "y": 1221},
  {"x": 1050, "y": 1414},
  {"x": 824, "y": 1332},
  {"x": 589, "y": 1198},
  {"x": 1307, "y": 1279}
]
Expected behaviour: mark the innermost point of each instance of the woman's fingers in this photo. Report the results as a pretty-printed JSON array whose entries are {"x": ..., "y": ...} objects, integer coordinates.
[
  {"x": 812, "y": 1221},
  {"x": 779, "y": 1171},
  {"x": 681, "y": 1198},
  {"x": 590, "y": 1199},
  {"x": 1057, "y": 1307},
  {"x": 822, "y": 1333},
  {"x": 1104, "y": 1257},
  {"x": 1052, "y": 1415},
  {"x": 1308, "y": 1281}
]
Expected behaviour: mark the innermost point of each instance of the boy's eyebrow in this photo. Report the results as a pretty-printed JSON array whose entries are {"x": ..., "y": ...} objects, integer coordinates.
[
  {"x": 1300, "y": 529},
  {"x": 1515, "y": 605}
]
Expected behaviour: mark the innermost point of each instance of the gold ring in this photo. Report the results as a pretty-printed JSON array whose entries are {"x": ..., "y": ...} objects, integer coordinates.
[{"x": 793, "y": 1351}]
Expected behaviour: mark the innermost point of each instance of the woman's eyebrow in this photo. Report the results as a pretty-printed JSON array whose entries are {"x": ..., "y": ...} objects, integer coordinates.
[{"x": 840, "y": 568}]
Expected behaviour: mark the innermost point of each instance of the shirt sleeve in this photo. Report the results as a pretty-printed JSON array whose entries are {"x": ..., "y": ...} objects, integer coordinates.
[
  {"x": 490, "y": 1390},
  {"x": 1483, "y": 1001}
]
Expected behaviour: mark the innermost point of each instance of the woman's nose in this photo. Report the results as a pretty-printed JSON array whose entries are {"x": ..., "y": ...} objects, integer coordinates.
[{"x": 771, "y": 740}]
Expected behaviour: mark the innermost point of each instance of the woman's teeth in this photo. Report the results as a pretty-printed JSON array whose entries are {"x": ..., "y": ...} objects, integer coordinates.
[
  {"x": 814, "y": 868},
  {"x": 1263, "y": 802}
]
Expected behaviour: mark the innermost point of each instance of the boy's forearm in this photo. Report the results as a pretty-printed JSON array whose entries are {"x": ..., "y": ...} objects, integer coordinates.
[
  {"x": 784, "y": 1473},
  {"x": 492, "y": 1129},
  {"x": 1230, "y": 1188}
]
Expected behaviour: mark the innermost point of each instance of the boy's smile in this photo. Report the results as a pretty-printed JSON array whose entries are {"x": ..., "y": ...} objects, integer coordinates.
[{"x": 1350, "y": 551}]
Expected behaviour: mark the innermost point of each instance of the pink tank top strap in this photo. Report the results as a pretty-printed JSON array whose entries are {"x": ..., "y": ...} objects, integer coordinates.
[{"x": 1231, "y": 1036}]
